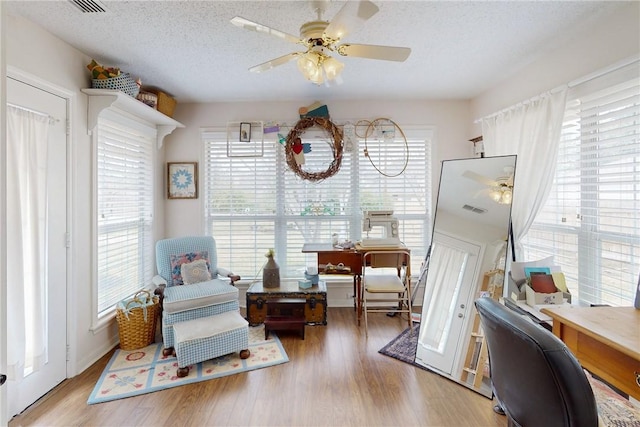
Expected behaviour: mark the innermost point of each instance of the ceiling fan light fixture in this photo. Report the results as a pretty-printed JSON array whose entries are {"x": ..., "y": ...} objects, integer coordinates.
[
  {"x": 332, "y": 68},
  {"x": 507, "y": 196},
  {"x": 317, "y": 77},
  {"x": 321, "y": 37},
  {"x": 495, "y": 194},
  {"x": 315, "y": 65},
  {"x": 501, "y": 194},
  {"x": 309, "y": 65}
]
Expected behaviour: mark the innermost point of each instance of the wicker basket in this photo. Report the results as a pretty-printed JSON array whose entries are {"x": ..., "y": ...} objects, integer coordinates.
[
  {"x": 166, "y": 104},
  {"x": 124, "y": 82},
  {"x": 137, "y": 320}
]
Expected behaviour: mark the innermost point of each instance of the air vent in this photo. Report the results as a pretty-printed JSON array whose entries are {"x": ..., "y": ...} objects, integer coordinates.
[
  {"x": 474, "y": 209},
  {"x": 89, "y": 6}
]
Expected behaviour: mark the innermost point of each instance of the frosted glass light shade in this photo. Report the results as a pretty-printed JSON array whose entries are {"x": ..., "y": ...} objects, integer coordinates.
[
  {"x": 309, "y": 66},
  {"x": 332, "y": 68}
]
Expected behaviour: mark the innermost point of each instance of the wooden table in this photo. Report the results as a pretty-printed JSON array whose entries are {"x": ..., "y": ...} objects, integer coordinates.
[
  {"x": 606, "y": 341},
  {"x": 347, "y": 261}
]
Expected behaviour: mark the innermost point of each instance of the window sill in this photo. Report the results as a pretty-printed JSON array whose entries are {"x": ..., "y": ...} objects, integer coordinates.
[{"x": 103, "y": 322}]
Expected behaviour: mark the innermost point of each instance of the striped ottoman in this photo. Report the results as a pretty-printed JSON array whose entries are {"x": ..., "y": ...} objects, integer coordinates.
[{"x": 206, "y": 338}]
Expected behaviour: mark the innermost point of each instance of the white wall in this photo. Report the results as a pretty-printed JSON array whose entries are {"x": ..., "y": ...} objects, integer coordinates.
[
  {"x": 615, "y": 38},
  {"x": 34, "y": 51}
]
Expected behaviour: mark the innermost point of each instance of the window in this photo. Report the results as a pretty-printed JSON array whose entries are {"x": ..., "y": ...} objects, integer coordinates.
[
  {"x": 124, "y": 208},
  {"x": 253, "y": 203},
  {"x": 591, "y": 220}
]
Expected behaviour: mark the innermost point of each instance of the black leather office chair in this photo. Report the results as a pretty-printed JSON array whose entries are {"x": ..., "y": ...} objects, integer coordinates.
[{"x": 536, "y": 378}]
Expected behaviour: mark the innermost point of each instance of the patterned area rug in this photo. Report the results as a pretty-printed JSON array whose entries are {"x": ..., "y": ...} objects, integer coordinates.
[
  {"x": 613, "y": 409},
  {"x": 403, "y": 347},
  {"x": 136, "y": 372}
]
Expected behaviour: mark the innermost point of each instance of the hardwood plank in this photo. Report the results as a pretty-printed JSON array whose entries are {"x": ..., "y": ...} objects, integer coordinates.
[{"x": 335, "y": 377}]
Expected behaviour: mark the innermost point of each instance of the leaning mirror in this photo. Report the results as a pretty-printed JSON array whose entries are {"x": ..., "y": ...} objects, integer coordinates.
[{"x": 466, "y": 260}]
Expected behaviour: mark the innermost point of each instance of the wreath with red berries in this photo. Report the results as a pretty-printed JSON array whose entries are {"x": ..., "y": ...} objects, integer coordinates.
[{"x": 293, "y": 145}]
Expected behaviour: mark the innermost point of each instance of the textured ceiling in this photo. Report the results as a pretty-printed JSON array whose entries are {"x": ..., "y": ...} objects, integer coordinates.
[{"x": 190, "y": 50}]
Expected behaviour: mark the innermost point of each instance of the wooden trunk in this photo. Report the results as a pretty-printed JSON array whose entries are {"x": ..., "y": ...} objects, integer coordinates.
[{"x": 315, "y": 310}]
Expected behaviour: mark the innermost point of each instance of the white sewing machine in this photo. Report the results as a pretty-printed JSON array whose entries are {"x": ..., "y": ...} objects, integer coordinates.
[{"x": 384, "y": 220}]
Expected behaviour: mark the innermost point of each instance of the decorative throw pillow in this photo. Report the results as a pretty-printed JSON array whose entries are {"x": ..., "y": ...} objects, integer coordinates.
[
  {"x": 178, "y": 260},
  {"x": 195, "y": 272}
]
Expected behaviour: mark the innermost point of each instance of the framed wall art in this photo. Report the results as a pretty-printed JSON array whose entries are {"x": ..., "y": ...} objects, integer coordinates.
[
  {"x": 182, "y": 180},
  {"x": 245, "y": 132},
  {"x": 245, "y": 139}
]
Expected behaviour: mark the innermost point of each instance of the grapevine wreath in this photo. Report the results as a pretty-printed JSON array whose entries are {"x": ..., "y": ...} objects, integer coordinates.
[{"x": 293, "y": 146}]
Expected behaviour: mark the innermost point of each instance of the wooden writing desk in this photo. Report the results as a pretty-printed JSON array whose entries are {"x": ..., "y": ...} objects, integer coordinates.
[
  {"x": 606, "y": 341},
  {"x": 347, "y": 261}
]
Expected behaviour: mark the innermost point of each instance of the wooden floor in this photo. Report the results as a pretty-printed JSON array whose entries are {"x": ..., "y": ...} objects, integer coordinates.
[{"x": 335, "y": 377}]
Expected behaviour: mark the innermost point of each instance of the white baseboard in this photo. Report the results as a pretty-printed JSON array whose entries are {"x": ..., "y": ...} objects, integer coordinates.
[{"x": 92, "y": 357}]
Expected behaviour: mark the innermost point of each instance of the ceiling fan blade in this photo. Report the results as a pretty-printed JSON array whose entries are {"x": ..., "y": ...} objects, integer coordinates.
[
  {"x": 480, "y": 178},
  {"x": 266, "y": 66},
  {"x": 483, "y": 192},
  {"x": 350, "y": 18},
  {"x": 387, "y": 53},
  {"x": 241, "y": 22}
]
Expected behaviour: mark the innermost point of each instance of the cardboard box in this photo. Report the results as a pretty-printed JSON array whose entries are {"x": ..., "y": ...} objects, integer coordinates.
[
  {"x": 537, "y": 298},
  {"x": 515, "y": 288}
]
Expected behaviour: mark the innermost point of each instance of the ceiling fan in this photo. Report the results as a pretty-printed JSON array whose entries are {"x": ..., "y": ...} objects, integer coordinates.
[
  {"x": 500, "y": 189},
  {"x": 320, "y": 38}
]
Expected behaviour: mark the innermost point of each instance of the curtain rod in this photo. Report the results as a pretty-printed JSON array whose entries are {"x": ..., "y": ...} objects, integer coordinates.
[
  {"x": 573, "y": 83},
  {"x": 521, "y": 103},
  {"x": 20, "y": 107}
]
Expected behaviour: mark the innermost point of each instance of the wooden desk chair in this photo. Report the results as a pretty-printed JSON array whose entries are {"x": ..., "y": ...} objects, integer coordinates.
[{"x": 384, "y": 287}]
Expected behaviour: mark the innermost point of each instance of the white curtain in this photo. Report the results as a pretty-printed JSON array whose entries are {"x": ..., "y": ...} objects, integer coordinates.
[
  {"x": 531, "y": 131},
  {"x": 27, "y": 136}
]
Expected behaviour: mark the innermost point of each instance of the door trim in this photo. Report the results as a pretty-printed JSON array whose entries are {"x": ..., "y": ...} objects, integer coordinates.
[
  {"x": 3, "y": 213},
  {"x": 70, "y": 98}
]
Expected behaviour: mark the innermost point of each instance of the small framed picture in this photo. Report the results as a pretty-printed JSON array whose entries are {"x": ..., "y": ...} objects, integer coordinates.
[
  {"x": 245, "y": 132},
  {"x": 182, "y": 180}
]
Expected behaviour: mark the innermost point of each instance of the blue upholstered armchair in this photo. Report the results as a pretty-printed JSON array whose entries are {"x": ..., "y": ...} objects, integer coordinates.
[{"x": 190, "y": 284}]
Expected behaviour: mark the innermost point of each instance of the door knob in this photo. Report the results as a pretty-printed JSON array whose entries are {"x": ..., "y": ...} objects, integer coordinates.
[{"x": 3, "y": 378}]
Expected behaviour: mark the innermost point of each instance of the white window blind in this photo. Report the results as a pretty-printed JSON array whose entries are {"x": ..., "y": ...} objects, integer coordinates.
[
  {"x": 591, "y": 220},
  {"x": 124, "y": 208},
  {"x": 408, "y": 193},
  {"x": 256, "y": 203}
]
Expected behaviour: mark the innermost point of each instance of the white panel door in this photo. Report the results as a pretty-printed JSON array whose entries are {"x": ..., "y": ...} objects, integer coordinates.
[
  {"x": 451, "y": 278},
  {"x": 24, "y": 393}
]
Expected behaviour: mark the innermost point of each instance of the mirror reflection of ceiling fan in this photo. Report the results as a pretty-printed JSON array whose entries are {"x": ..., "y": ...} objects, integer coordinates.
[
  {"x": 499, "y": 189},
  {"x": 320, "y": 38}
]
